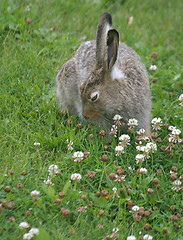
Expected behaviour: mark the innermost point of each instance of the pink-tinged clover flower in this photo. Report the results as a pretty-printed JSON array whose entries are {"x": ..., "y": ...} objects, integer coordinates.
[
  {"x": 76, "y": 177},
  {"x": 53, "y": 169},
  {"x": 69, "y": 146},
  {"x": 24, "y": 225},
  {"x": 176, "y": 185},
  {"x": 181, "y": 99},
  {"x": 48, "y": 182},
  {"x": 124, "y": 140},
  {"x": 132, "y": 122},
  {"x": 156, "y": 123},
  {"x": 147, "y": 237},
  {"x": 131, "y": 238},
  {"x": 78, "y": 156},
  {"x": 35, "y": 193},
  {"x": 143, "y": 171},
  {"x": 153, "y": 67},
  {"x": 119, "y": 150},
  {"x": 114, "y": 130},
  {"x": 174, "y": 136},
  {"x": 139, "y": 158}
]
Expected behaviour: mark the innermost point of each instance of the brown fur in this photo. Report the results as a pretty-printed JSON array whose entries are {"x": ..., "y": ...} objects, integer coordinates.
[{"x": 114, "y": 71}]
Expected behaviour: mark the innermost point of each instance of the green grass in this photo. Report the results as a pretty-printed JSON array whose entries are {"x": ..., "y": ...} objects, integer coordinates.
[{"x": 30, "y": 57}]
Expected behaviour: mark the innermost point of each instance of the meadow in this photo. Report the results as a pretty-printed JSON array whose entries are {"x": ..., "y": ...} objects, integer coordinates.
[{"x": 62, "y": 179}]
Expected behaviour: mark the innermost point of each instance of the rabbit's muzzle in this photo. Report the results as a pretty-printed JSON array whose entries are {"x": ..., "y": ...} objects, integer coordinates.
[{"x": 91, "y": 115}]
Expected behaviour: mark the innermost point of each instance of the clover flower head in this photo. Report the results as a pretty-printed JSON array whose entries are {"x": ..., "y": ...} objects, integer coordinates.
[
  {"x": 78, "y": 156},
  {"x": 131, "y": 238},
  {"x": 28, "y": 236},
  {"x": 141, "y": 131},
  {"x": 124, "y": 140},
  {"x": 48, "y": 182},
  {"x": 153, "y": 67},
  {"x": 139, "y": 158},
  {"x": 53, "y": 169},
  {"x": 35, "y": 193},
  {"x": 119, "y": 150},
  {"x": 147, "y": 237},
  {"x": 114, "y": 130},
  {"x": 117, "y": 118},
  {"x": 76, "y": 177},
  {"x": 181, "y": 99},
  {"x": 132, "y": 122},
  {"x": 34, "y": 231},
  {"x": 143, "y": 170},
  {"x": 24, "y": 225},
  {"x": 36, "y": 144},
  {"x": 130, "y": 20},
  {"x": 69, "y": 146},
  {"x": 135, "y": 208},
  {"x": 156, "y": 123}
]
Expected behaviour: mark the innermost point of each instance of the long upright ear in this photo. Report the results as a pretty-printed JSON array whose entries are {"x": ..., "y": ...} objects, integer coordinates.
[
  {"x": 104, "y": 25},
  {"x": 111, "y": 52}
]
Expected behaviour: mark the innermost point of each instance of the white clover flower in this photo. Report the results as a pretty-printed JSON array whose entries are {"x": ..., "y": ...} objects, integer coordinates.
[
  {"x": 115, "y": 230},
  {"x": 28, "y": 236},
  {"x": 135, "y": 208},
  {"x": 48, "y": 182},
  {"x": 124, "y": 140},
  {"x": 24, "y": 225},
  {"x": 143, "y": 170},
  {"x": 114, "y": 189},
  {"x": 114, "y": 130},
  {"x": 147, "y": 237},
  {"x": 151, "y": 147},
  {"x": 181, "y": 99},
  {"x": 34, "y": 231},
  {"x": 139, "y": 158},
  {"x": 120, "y": 179},
  {"x": 176, "y": 132},
  {"x": 156, "y": 123},
  {"x": 53, "y": 169},
  {"x": 130, "y": 20},
  {"x": 69, "y": 146},
  {"x": 76, "y": 177},
  {"x": 78, "y": 156},
  {"x": 117, "y": 117},
  {"x": 171, "y": 128},
  {"x": 177, "y": 182},
  {"x": 141, "y": 131},
  {"x": 119, "y": 150},
  {"x": 132, "y": 122},
  {"x": 174, "y": 136},
  {"x": 140, "y": 148},
  {"x": 153, "y": 67},
  {"x": 131, "y": 238},
  {"x": 27, "y": 9},
  {"x": 36, "y": 144},
  {"x": 35, "y": 193}
]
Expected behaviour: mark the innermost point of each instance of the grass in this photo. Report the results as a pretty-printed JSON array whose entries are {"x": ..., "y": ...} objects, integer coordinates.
[{"x": 36, "y": 38}]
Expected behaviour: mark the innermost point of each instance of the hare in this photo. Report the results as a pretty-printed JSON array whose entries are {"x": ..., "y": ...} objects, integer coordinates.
[{"x": 104, "y": 78}]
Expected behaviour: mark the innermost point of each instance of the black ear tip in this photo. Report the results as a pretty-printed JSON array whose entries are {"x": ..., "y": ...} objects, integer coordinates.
[{"x": 108, "y": 17}]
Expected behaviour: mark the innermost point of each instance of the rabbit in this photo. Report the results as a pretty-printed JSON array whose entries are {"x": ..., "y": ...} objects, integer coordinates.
[{"x": 104, "y": 78}]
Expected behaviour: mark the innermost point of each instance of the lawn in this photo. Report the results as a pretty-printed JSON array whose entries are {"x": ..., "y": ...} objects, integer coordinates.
[{"x": 62, "y": 179}]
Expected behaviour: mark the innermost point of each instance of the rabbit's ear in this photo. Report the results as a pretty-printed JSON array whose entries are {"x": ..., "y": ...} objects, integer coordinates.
[
  {"x": 111, "y": 52},
  {"x": 104, "y": 25}
]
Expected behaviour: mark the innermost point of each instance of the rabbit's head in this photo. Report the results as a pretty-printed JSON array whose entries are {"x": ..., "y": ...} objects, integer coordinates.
[{"x": 98, "y": 101}]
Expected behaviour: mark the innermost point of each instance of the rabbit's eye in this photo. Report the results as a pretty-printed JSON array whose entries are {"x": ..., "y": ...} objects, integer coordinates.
[{"x": 94, "y": 96}]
